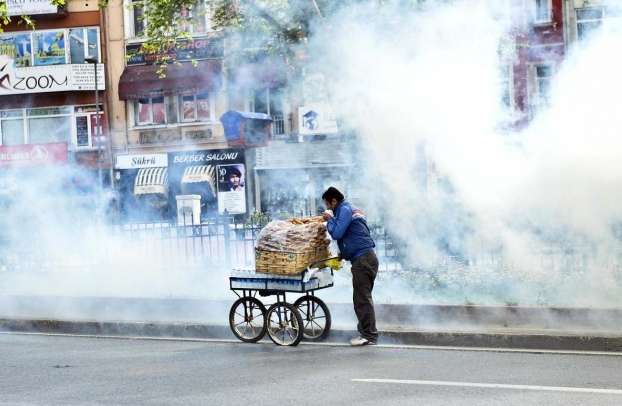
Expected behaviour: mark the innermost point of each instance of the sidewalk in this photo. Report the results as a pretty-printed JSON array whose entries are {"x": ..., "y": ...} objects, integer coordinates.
[{"x": 532, "y": 328}]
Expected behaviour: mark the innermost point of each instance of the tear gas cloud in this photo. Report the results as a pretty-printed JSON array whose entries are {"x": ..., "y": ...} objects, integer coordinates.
[
  {"x": 534, "y": 209},
  {"x": 477, "y": 213}
]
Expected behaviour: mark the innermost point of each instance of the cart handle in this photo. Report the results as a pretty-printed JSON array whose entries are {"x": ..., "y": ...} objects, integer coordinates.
[{"x": 322, "y": 261}]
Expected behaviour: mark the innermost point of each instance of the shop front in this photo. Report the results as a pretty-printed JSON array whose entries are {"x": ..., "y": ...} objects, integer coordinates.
[
  {"x": 151, "y": 186},
  {"x": 292, "y": 177}
]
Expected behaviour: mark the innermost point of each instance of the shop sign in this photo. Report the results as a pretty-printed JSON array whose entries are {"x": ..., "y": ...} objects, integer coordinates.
[
  {"x": 228, "y": 176},
  {"x": 34, "y": 154},
  {"x": 199, "y": 134},
  {"x": 141, "y": 161},
  {"x": 54, "y": 78},
  {"x": 30, "y": 7},
  {"x": 315, "y": 119},
  {"x": 186, "y": 50},
  {"x": 159, "y": 136}
]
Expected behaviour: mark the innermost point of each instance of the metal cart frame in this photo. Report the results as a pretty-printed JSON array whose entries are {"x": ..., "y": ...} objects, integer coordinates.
[{"x": 285, "y": 323}]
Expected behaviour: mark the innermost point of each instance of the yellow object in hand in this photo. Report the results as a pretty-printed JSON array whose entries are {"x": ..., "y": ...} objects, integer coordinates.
[{"x": 334, "y": 263}]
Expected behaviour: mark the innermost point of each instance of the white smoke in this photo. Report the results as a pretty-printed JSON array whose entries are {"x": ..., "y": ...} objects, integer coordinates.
[{"x": 420, "y": 87}]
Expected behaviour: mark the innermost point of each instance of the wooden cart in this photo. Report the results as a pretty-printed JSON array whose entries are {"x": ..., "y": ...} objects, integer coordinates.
[{"x": 286, "y": 324}]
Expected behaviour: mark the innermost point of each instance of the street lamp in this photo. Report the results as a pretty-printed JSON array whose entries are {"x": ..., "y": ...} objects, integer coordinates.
[{"x": 94, "y": 60}]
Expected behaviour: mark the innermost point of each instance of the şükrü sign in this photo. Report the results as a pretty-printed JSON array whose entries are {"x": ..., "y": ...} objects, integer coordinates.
[
  {"x": 141, "y": 161},
  {"x": 30, "y": 7},
  {"x": 34, "y": 154},
  {"x": 54, "y": 78}
]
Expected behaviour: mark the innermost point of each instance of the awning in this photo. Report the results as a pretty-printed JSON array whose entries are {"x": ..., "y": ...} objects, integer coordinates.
[
  {"x": 138, "y": 82},
  {"x": 200, "y": 173},
  {"x": 151, "y": 180}
]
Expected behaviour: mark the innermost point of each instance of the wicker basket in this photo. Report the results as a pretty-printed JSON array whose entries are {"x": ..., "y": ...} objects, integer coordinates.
[{"x": 285, "y": 262}]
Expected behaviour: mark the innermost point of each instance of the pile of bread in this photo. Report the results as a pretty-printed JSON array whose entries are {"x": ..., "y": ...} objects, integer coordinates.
[{"x": 294, "y": 235}]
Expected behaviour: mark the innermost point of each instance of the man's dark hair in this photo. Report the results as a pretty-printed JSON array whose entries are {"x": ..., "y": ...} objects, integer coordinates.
[
  {"x": 234, "y": 171},
  {"x": 332, "y": 193}
]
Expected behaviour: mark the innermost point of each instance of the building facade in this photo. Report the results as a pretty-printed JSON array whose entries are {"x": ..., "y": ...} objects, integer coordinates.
[
  {"x": 163, "y": 141},
  {"x": 48, "y": 109}
]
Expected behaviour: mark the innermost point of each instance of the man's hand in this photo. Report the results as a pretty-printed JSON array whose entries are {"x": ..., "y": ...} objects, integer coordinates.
[{"x": 327, "y": 214}]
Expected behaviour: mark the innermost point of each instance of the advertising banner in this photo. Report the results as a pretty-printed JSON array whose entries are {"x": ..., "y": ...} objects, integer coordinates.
[
  {"x": 187, "y": 50},
  {"x": 30, "y": 7},
  {"x": 316, "y": 119},
  {"x": 53, "y": 78},
  {"x": 217, "y": 175},
  {"x": 34, "y": 154}
]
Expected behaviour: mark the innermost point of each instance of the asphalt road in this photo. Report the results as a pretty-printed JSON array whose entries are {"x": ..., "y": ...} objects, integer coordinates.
[{"x": 69, "y": 370}]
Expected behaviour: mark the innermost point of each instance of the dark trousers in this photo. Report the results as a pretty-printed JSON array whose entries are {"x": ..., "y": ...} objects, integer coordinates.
[{"x": 364, "y": 271}]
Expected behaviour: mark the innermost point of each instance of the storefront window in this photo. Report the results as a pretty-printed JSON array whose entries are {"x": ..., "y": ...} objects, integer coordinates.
[
  {"x": 52, "y": 129},
  {"x": 51, "y": 124},
  {"x": 12, "y": 132}
]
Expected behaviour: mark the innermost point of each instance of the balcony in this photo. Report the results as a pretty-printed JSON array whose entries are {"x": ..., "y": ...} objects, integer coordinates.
[{"x": 278, "y": 128}]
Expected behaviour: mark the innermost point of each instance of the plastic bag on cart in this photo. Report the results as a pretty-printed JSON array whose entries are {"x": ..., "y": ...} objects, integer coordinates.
[{"x": 309, "y": 273}]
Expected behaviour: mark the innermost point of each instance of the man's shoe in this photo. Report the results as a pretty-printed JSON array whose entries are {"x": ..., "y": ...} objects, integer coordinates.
[{"x": 358, "y": 341}]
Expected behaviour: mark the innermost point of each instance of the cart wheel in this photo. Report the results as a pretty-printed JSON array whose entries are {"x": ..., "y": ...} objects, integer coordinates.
[
  {"x": 284, "y": 324},
  {"x": 315, "y": 317},
  {"x": 247, "y": 319}
]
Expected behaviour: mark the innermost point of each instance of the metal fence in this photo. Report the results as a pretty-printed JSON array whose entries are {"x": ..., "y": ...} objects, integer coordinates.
[{"x": 222, "y": 242}]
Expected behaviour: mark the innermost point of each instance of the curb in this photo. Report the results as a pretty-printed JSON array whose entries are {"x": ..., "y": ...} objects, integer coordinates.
[{"x": 527, "y": 340}]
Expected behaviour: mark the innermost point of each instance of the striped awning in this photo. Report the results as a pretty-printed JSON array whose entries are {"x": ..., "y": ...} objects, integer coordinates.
[
  {"x": 200, "y": 173},
  {"x": 151, "y": 180}
]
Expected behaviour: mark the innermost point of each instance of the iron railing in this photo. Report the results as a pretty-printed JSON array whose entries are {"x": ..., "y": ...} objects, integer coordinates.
[{"x": 218, "y": 242}]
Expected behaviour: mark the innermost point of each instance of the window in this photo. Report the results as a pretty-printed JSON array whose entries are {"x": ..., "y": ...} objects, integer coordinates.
[
  {"x": 74, "y": 125},
  {"x": 139, "y": 21},
  {"x": 269, "y": 101},
  {"x": 173, "y": 109},
  {"x": 12, "y": 127},
  {"x": 541, "y": 86},
  {"x": 591, "y": 19},
  {"x": 195, "y": 21},
  {"x": 505, "y": 86},
  {"x": 542, "y": 11},
  {"x": 196, "y": 107},
  {"x": 86, "y": 130},
  {"x": 83, "y": 42},
  {"x": 48, "y": 125}
]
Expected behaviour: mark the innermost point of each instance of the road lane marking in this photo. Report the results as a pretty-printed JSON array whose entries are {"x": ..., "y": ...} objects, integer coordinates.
[{"x": 493, "y": 385}]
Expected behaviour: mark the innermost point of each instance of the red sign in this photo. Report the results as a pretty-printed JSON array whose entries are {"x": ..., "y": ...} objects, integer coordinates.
[{"x": 34, "y": 154}]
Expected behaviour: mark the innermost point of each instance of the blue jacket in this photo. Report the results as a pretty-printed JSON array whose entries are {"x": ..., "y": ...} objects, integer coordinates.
[{"x": 349, "y": 228}]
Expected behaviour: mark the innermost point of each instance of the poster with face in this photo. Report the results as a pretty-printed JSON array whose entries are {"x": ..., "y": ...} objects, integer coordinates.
[{"x": 231, "y": 188}]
